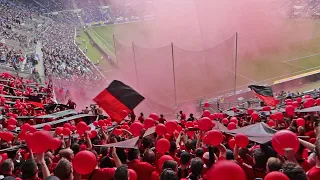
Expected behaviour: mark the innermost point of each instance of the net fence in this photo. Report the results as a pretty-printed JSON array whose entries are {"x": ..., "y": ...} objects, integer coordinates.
[{"x": 171, "y": 75}]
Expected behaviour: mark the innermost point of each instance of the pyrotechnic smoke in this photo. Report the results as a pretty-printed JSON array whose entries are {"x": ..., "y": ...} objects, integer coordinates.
[{"x": 195, "y": 25}]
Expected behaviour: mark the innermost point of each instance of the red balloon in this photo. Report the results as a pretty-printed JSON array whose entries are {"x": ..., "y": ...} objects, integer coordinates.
[
  {"x": 73, "y": 128},
  {"x": 179, "y": 128},
  {"x": 276, "y": 175},
  {"x": 7, "y": 136},
  {"x": 66, "y": 131},
  {"x": 95, "y": 123},
  {"x": 307, "y": 96},
  {"x": 225, "y": 121},
  {"x": 226, "y": 170},
  {"x": 295, "y": 104},
  {"x": 255, "y": 116},
  {"x": 101, "y": 123},
  {"x": 299, "y": 99},
  {"x": 250, "y": 111},
  {"x": 126, "y": 127},
  {"x": 206, "y": 113},
  {"x": 285, "y": 139},
  {"x": 171, "y": 126},
  {"x": 10, "y": 114},
  {"x": 205, "y": 124},
  {"x": 234, "y": 120},
  {"x": 167, "y": 136},
  {"x": 88, "y": 128},
  {"x": 84, "y": 162},
  {"x": 136, "y": 128},
  {"x": 241, "y": 140},
  {"x": 47, "y": 127},
  {"x": 206, "y": 104},
  {"x": 32, "y": 129},
  {"x": 162, "y": 145},
  {"x": 163, "y": 159},
  {"x": 300, "y": 122},
  {"x": 271, "y": 123},
  {"x": 220, "y": 115},
  {"x": 161, "y": 129},
  {"x": 232, "y": 126},
  {"x": 154, "y": 116},
  {"x": 279, "y": 116},
  {"x": 12, "y": 121},
  {"x": 234, "y": 109},
  {"x": 117, "y": 132},
  {"x": 11, "y": 127},
  {"x": 94, "y": 133},
  {"x": 308, "y": 103},
  {"x": 290, "y": 110},
  {"x": 132, "y": 174},
  {"x": 213, "y": 116},
  {"x": 82, "y": 126},
  {"x": 39, "y": 141},
  {"x": 55, "y": 143},
  {"x": 189, "y": 124},
  {"x": 215, "y": 137},
  {"x": 232, "y": 143},
  {"x": 148, "y": 123},
  {"x": 25, "y": 127},
  {"x": 67, "y": 125},
  {"x": 59, "y": 130},
  {"x": 266, "y": 108}
]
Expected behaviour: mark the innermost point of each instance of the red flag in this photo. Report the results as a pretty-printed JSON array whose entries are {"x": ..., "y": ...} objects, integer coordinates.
[
  {"x": 265, "y": 94},
  {"x": 118, "y": 100}
]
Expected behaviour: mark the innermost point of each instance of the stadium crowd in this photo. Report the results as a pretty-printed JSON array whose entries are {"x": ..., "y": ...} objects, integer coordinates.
[{"x": 89, "y": 147}]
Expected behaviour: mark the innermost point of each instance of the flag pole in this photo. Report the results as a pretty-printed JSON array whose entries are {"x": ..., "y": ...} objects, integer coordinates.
[
  {"x": 174, "y": 76},
  {"x": 235, "y": 63},
  {"x": 135, "y": 64},
  {"x": 115, "y": 48}
]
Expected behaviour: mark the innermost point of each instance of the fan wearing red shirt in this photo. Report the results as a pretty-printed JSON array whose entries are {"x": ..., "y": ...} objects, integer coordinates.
[
  {"x": 141, "y": 118},
  {"x": 162, "y": 119},
  {"x": 301, "y": 161},
  {"x": 182, "y": 115},
  {"x": 143, "y": 169},
  {"x": 259, "y": 164},
  {"x": 170, "y": 164},
  {"x": 314, "y": 173}
]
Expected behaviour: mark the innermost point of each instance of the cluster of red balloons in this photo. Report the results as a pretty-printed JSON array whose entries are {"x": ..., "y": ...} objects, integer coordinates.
[
  {"x": 7, "y": 136},
  {"x": 42, "y": 141},
  {"x": 103, "y": 122},
  {"x": 309, "y": 102}
]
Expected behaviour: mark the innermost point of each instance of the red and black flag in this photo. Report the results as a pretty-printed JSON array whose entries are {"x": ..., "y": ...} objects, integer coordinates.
[
  {"x": 35, "y": 100},
  {"x": 118, "y": 100},
  {"x": 265, "y": 94}
]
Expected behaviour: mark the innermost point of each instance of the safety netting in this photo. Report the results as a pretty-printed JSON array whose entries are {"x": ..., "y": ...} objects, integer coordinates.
[{"x": 171, "y": 75}]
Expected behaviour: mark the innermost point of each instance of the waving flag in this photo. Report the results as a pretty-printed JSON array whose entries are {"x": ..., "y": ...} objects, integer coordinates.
[
  {"x": 118, "y": 100},
  {"x": 265, "y": 94}
]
